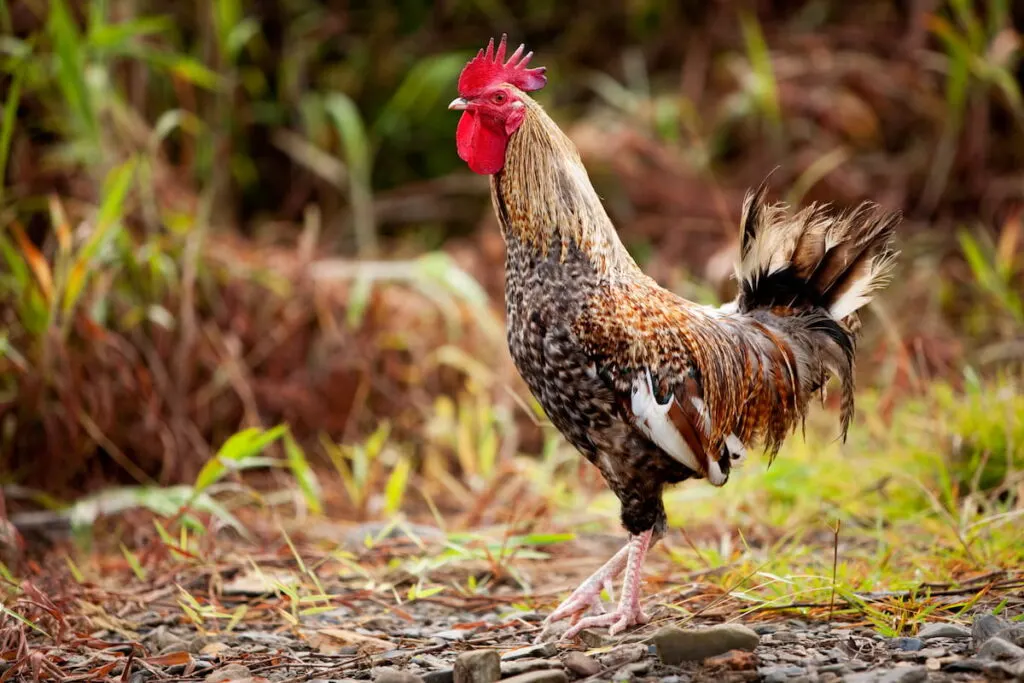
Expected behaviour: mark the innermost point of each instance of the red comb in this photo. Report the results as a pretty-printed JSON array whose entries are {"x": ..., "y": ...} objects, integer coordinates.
[{"x": 490, "y": 67}]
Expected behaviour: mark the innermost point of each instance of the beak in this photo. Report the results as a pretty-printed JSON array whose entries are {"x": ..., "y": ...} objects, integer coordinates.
[{"x": 458, "y": 104}]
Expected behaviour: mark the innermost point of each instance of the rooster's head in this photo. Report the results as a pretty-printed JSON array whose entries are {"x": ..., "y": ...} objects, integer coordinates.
[{"x": 491, "y": 92}]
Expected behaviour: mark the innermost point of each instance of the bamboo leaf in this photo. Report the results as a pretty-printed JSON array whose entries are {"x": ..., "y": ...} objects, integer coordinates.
[{"x": 303, "y": 473}]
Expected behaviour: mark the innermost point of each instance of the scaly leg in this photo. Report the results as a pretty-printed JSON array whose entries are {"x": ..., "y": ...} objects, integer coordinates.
[
  {"x": 589, "y": 592},
  {"x": 628, "y": 612}
]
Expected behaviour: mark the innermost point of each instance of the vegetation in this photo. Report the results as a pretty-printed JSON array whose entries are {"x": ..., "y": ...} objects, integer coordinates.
[{"x": 247, "y": 287}]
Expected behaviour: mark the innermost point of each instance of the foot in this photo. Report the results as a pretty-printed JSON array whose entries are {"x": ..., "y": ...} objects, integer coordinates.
[
  {"x": 588, "y": 595},
  {"x": 628, "y": 613}
]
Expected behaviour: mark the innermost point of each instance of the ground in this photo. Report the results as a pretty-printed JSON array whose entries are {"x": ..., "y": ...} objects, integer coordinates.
[{"x": 204, "y": 609}]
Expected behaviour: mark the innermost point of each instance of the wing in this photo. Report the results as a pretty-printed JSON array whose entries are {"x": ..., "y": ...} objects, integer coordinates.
[
  {"x": 698, "y": 382},
  {"x": 669, "y": 409}
]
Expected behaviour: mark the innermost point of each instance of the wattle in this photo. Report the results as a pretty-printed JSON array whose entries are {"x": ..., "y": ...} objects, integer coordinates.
[{"x": 480, "y": 145}]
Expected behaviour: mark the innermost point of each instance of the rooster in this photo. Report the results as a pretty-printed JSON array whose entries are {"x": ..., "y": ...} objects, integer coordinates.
[{"x": 651, "y": 388}]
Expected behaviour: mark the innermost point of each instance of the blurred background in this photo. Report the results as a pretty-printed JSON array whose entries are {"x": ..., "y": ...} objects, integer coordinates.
[{"x": 241, "y": 229}]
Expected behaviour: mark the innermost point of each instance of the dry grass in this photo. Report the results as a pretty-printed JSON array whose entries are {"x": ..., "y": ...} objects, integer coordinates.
[{"x": 210, "y": 419}]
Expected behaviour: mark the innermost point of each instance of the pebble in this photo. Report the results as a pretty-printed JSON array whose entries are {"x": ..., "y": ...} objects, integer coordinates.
[
  {"x": 905, "y": 674},
  {"x": 540, "y": 650},
  {"x": 390, "y": 675},
  {"x": 962, "y": 666},
  {"x": 836, "y": 655},
  {"x": 477, "y": 666},
  {"x": 521, "y": 666},
  {"x": 778, "y": 674},
  {"x": 231, "y": 672},
  {"x": 998, "y": 648},
  {"x": 637, "y": 668},
  {"x": 581, "y": 664},
  {"x": 593, "y": 638},
  {"x": 907, "y": 644},
  {"x": 440, "y": 676},
  {"x": 926, "y": 653},
  {"x": 549, "y": 676},
  {"x": 623, "y": 654},
  {"x": 453, "y": 634},
  {"x": 1013, "y": 634},
  {"x": 675, "y": 645},
  {"x": 840, "y": 669},
  {"x": 941, "y": 630},
  {"x": 985, "y": 626}
]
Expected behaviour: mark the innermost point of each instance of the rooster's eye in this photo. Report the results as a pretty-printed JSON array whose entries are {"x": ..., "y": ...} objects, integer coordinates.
[{"x": 498, "y": 98}]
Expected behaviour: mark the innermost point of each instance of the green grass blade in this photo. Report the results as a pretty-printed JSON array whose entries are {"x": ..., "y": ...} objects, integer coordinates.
[
  {"x": 8, "y": 123},
  {"x": 71, "y": 67},
  {"x": 303, "y": 473},
  {"x": 115, "y": 193}
]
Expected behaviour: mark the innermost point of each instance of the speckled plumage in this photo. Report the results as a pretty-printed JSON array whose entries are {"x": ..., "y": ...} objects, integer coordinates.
[{"x": 584, "y": 323}]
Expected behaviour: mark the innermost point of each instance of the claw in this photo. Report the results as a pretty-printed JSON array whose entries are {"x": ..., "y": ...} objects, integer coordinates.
[
  {"x": 617, "y": 621},
  {"x": 588, "y": 595}
]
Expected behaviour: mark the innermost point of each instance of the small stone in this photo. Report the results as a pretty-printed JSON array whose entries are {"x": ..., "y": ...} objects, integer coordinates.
[
  {"x": 986, "y": 626},
  {"x": 624, "y": 654},
  {"x": 907, "y": 644},
  {"x": 533, "y": 617},
  {"x": 453, "y": 634},
  {"x": 637, "y": 668},
  {"x": 390, "y": 675},
  {"x": 797, "y": 657},
  {"x": 581, "y": 664},
  {"x": 231, "y": 672},
  {"x": 478, "y": 666},
  {"x": 836, "y": 655},
  {"x": 840, "y": 669},
  {"x": 905, "y": 674},
  {"x": 521, "y": 666},
  {"x": 963, "y": 666},
  {"x": 549, "y": 676},
  {"x": 941, "y": 630},
  {"x": 926, "y": 653},
  {"x": 675, "y": 678},
  {"x": 997, "y": 648},
  {"x": 440, "y": 676},
  {"x": 779, "y": 674},
  {"x": 1014, "y": 634},
  {"x": 861, "y": 678},
  {"x": 540, "y": 650},
  {"x": 675, "y": 645},
  {"x": 593, "y": 638}
]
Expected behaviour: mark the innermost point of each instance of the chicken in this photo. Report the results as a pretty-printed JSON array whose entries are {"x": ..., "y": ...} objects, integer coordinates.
[{"x": 651, "y": 388}]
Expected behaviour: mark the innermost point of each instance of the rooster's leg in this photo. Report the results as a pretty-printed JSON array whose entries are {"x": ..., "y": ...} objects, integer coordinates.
[
  {"x": 589, "y": 592},
  {"x": 628, "y": 612}
]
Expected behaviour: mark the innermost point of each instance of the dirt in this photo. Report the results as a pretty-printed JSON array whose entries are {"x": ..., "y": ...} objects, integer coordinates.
[{"x": 421, "y": 641}]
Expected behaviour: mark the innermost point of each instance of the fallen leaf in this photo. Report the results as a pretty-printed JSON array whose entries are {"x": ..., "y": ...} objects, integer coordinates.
[
  {"x": 331, "y": 640},
  {"x": 180, "y": 658}
]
